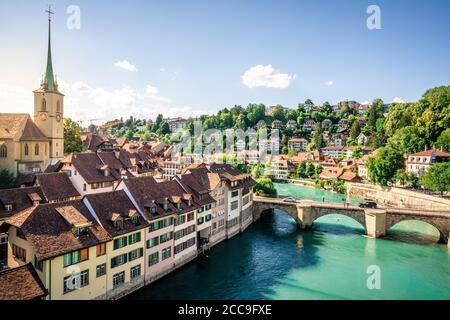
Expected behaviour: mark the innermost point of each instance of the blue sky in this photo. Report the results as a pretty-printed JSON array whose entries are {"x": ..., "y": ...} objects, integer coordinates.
[{"x": 192, "y": 54}]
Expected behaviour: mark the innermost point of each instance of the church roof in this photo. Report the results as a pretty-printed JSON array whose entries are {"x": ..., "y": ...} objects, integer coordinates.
[{"x": 19, "y": 126}]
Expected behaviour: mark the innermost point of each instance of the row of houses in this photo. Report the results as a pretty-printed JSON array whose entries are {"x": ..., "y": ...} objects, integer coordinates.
[{"x": 103, "y": 245}]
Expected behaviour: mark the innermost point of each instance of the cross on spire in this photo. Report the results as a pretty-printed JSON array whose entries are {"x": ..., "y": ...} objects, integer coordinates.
[{"x": 49, "y": 11}]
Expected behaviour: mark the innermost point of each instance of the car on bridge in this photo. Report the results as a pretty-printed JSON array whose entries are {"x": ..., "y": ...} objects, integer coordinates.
[
  {"x": 289, "y": 199},
  {"x": 368, "y": 204}
]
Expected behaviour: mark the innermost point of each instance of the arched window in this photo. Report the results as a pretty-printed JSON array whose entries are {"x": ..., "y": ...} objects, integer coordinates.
[
  {"x": 3, "y": 152},
  {"x": 36, "y": 149},
  {"x": 58, "y": 107},
  {"x": 44, "y": 105},
  {"x": 26, "y": 149}
]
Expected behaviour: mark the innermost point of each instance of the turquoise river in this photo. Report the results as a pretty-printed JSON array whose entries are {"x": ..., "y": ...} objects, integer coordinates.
[{"x": 273, "y": 259}]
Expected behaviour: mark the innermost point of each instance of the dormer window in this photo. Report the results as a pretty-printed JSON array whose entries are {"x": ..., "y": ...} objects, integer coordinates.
[
  {"x": 166, "y": 206},
  {"x": 135, "y": 219},
  {"x": 8, "y": 207},
  {"x": 179, "y": 205},
  {"x": 153, "y": 210},
  {"x": 80, "y": 232},
  {"x": 118, "y": 224}
]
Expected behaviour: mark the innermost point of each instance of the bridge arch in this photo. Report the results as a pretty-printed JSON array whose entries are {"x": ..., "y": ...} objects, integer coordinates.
[
  {"x": 443, "y": 227},
  {"x": 361, "y": 222}
]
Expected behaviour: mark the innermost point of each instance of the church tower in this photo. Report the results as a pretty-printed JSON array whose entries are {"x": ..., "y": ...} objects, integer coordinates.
[{"x": 49, "y": 107}]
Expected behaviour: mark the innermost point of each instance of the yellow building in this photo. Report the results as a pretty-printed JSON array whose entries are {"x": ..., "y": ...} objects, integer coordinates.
[{"x": 27, "y": 146}]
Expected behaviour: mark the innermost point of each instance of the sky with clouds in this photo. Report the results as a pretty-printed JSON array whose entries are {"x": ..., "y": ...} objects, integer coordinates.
[{"x": 186, "y": 58}]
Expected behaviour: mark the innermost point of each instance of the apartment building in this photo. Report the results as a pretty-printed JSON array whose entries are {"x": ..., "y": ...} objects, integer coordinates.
[
  {"x": 298, "y": 144},
  {"x": 124, "y": 269},
  {"x": 64, "y": 250},
  {"x": 238, "y": 197},
  {"x": 418, "y": 163}
]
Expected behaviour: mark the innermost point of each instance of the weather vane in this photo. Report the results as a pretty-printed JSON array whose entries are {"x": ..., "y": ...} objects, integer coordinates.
[{"x": 49, "y": 11}]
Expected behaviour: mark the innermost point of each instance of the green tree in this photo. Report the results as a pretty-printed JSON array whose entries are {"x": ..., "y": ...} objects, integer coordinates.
[
  {"x": 444, "y": 140},
  {"x": 72, "y": 137},
  {"x": 383, "y": 167},
  {"x": 264, "y": 186},
  {"x": 7, "y": 179},
  {"x": 355, "y": 130},
  {"x": 437, "y": 178},
  {"x": 400, "y": 115},
  {"x": 407, "y": 140},
  {"x": 309, "y": 170},
  {"x": 357, "y": 153}
]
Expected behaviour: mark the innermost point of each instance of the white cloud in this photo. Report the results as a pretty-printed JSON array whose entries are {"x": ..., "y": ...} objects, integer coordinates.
[
  {"x": 398, "y": 100},
  {"x": 162, "y": 69},
  {"x": 329, "y": 83},
  {"x": 84, "y": 102},
  {"x": 151, "y": 90},
  {"x": 266, "y": 76},
  {"x": 126, "y": 65}
]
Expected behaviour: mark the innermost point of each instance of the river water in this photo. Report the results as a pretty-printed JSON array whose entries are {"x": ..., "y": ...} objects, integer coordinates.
[{"x": 273, "y": 259}]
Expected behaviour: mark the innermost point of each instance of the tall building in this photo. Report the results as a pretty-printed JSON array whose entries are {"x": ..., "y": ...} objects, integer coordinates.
[
  {"x": 49, "y": 108},
  {"x": 28, "y": 146}
]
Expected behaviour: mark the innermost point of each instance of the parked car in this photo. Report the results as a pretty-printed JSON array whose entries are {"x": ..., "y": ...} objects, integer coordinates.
[
  {"x": 289, "y": 199},
  {"x": 368, "y": 204}
]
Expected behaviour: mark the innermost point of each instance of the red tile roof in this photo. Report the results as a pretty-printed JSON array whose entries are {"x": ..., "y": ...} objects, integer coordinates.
[
  {"x": 50, "y": 234},
  {"x": 21, "y": 283},
  {"x": 56, "y": 186},
  {"x": 432, "y": 152},
  {"x": 107, "y": 204},
  {"x": 19, "y": 198}
]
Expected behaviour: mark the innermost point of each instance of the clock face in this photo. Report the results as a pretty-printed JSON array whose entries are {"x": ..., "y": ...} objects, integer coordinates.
[
  {"x": 43, "y": 116},
  {"x": 58, "y": 117}
]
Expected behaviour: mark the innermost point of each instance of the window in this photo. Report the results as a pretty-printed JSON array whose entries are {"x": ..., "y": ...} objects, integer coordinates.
[
  {"x": 135, "y": 254},
  {"x": 134, "y": 238},
  {"x": 234, "y": 194},
  {"x": 36, "y": 149},
  {"x": 200, "y": 220},
  {"x": 120, "y": 243},
  {"x": 44, "y": 105},
  {"x": 181, "y": 220},
  {"x": 58, "y": 107},
  {"x": 26, "y": 149},
  {"x": 190, "y": 216},
  {"x": 165, "y": 237},
  {"x": 153, "y": 259},
  {"x": 152, "y": 242},
  {"x": 19, "y": 234},
  {"x": 8, "y": 207},
  {"x": 76, "y": 281},
  {"x": 118, "y": 279},
  {"x": 84, "y": 186},
  {"x": 101, "y": 249},
  {"x": 135, "y": 272},
  {"x": 234, "y": 205},
  {"x": 208, "y": 218},
  {"x": 76, "y": 257},
  {"x": 38, "y": 265},
  {"x": 166, "y": 253},
  {"x": 101, "y": 270},
  {"x": 119, "y": 260},
  {"x": 3, "y": 152}
]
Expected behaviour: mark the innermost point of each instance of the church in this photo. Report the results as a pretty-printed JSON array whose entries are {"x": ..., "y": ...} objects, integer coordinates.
[{"x": 30, "y": 145}]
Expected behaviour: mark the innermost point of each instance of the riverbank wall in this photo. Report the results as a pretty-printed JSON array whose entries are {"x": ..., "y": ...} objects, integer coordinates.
[{"x": 396, "y": 197}]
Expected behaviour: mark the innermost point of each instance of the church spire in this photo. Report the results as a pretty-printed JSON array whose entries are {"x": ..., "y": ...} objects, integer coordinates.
[{"x": 49, "y": 79}]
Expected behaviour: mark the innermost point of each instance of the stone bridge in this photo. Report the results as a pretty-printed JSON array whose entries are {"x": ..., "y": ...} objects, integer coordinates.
[{"x": 376, "y": 222}]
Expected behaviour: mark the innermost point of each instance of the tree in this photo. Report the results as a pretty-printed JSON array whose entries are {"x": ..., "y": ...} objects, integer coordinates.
[
  {"x": 309, "y": 170},
  {"x": 264, "y": 186},
  {"x": 278, "y": 113},
  {"x": 327, "y": 109},
  {"x": 355, "y": 130},
  {"x": 317, "y": 138},
  {"x": 400, "y": 115},
  {"x": 7, "y": 179},
  {"x": 444, "y": 140},
  {"x": 407, "y": 140},
  {"x": 72, "y": 137},
  {"x": 357, "y": 153},
  {"x": 384, "y": 166},
  {"x": 301, "y": 170},
  {"x": 437, "y": 178},
  {"x": 375, "y": 112}
]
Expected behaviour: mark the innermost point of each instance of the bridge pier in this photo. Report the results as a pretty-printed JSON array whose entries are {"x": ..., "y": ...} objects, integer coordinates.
[
  {"x": 375, "y": 222},
  {"x": 305, "y": 215}
]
